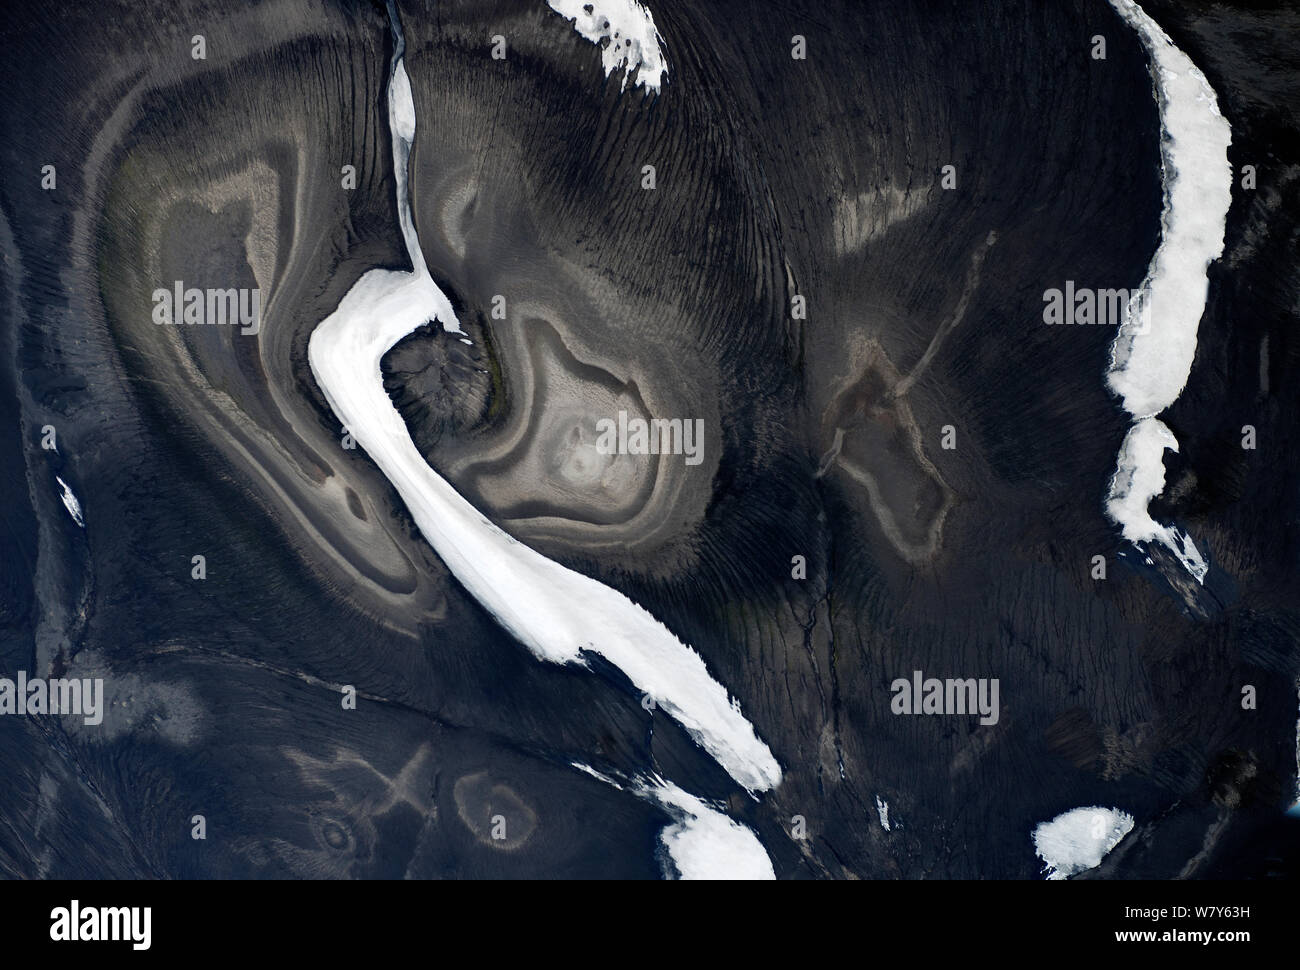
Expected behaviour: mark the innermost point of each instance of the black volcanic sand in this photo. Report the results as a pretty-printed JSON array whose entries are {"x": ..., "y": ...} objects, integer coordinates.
[{"x": 824, "y": 438}]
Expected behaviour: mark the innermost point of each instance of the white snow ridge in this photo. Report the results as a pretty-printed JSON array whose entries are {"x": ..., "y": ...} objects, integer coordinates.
[
  {"x": 1140, "y": 477},
  {"x": 557, "y": 613},
  {"x": 704, "y": 843},
  {"x": 634, "y": 42},
  {"x": 1078, "y": 839},
  {"x": 70, "y": 502},
  {"x": 1152, "y": 355}
]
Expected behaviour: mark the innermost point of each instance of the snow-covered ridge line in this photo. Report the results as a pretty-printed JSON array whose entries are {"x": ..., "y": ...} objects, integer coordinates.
[
  {"x": 553, "y": 611},
  {"x": 70, "y": 502},
  {"x": 1153, "y": 352},
  {"x": 634, "y": 41}
]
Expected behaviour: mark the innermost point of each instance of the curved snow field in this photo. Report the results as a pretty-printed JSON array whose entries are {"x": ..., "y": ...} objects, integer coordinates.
[
  {"x": 553, "y": 611},
  {"x": 1153, "y": 352},
  {"x": 702, "y": 842}
]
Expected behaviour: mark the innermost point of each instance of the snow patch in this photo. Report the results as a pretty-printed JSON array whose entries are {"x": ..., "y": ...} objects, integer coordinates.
[
  {"x": 633, "y": 41},
  {"x": 1078, "y": 839},
  {"x": 1139, "y": 477},
  {"x": 704, "y": 843},
  {"x": 882, "y": 809},
  {"x": 70, "y": 502}
]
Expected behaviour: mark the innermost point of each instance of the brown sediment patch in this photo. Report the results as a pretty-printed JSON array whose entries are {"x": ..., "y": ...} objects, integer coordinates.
[
  {"x": 570, "y": 368},
  {"x": 872, "y": 437},
  {"x": 575, "y": 344},
  {"x": 554, "y": 468},
  {"x": 867, "y": 216},
  {"x": 493, "y": 811},
  {"x": 869, "y": 432}
]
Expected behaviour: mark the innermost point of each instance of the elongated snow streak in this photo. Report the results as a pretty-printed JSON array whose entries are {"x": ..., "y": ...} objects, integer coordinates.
[
  {"x": 70, "y": 502},
  {"x": 1295, "y": 809},
  {"x": 882, "y": 810},
  {"x": 702, "y": 842},
  {"x": 1139, "y": 477},
  {"x": 1078, "y": 839},
  {"x": 553, "y": 611},
  {"x": 634, "y": 41},
  {"x": 1152, "y": 355}
]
